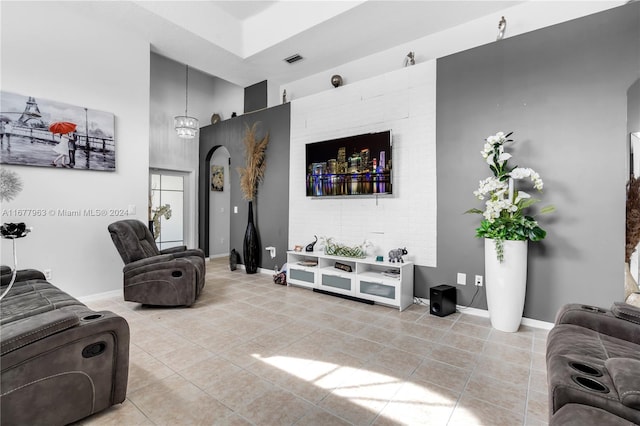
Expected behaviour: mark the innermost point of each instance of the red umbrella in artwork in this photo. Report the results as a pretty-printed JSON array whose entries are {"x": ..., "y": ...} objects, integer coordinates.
[{"x": 62, "y": 127}]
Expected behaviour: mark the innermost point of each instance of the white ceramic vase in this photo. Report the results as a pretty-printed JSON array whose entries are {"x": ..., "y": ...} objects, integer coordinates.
[{"x": 506, "y": 283}]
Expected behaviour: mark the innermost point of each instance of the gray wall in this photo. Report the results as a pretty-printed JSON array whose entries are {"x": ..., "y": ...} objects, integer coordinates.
[
  {"x": 255, "y": 97},
  {"x": 563, "y": 91},
  {"x": 271, "y": 209},
  {"x": 207, "y": 94}
]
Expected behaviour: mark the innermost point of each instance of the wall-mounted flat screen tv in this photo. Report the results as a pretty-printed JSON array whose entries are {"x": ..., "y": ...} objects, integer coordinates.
[{"x": 350, "y": 166}]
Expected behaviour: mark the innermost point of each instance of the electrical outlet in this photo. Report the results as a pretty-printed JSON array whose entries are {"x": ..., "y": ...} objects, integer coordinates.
[
  {"x": 462, "y": 278},
  {"x": 479, "y": 280},
  {"x": 47, "y": 274}
]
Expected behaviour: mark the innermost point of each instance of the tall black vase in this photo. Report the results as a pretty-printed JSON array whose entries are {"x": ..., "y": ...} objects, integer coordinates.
[{"x": 250, "y": 247}]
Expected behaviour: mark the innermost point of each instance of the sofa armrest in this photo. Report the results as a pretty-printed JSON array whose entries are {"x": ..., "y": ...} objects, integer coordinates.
[
  {"x": 183, "y": 251},
  {"x": 163, "y": 266},
  {"x": 172, "y": 250},
  {"x": 28, "y": 330},
  {"x": 601, "y": 320},
  {"x": 161, "y": 259},
  {"x": 189, "y": 253},
  {"x": 148, "y": 261},
  {"x": 626, "y": 312}
]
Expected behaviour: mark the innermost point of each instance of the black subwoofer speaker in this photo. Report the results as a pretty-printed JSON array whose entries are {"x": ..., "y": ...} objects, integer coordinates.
[{"x": 442, "y": 299}]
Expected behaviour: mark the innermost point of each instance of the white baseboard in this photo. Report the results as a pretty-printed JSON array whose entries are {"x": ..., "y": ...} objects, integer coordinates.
[
  {"x": 530, "y": 322},
  {"x": 537, "y": 323},
  {"x": 260, "y": 270},
  {"x": 471, "y": 311},
  {"x": 101, "y": 296},
  {"x": 217, "y": 256}
]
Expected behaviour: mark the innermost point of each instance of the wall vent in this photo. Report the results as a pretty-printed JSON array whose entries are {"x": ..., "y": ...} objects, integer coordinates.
[{"x": 293, "y": 58}]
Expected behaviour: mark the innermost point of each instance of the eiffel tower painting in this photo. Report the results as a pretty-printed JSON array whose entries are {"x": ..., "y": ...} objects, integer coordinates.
[
  {"x": 30, "y": 134},
  {"x": 31, "y": 113}
]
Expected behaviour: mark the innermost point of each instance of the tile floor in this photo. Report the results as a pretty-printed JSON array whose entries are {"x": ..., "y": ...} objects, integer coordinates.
[{"x": 251, "y": 352}]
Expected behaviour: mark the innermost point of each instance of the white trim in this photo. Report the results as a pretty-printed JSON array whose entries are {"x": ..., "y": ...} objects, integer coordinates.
[
  {"x": 217, "y": 256},
  {"x": 530, "y": 322},
  {"x": 101, "y": 296},
  {"x": 537, "y": 323},
  {"x": 260, "y": 270}
]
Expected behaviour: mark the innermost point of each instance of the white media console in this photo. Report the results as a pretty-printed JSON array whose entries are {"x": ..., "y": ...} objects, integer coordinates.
[{"x": 383, "y": 282}]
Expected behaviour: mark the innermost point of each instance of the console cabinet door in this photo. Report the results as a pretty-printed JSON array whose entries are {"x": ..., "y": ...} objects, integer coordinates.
[
  {"x": 304, "y": 277},
  {"x": 382, "y": 291},
  {"x": 336, "y": 282}
]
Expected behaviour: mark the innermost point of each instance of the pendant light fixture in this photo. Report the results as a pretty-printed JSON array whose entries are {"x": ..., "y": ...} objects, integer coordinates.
[{"x": 186, "y": 127}]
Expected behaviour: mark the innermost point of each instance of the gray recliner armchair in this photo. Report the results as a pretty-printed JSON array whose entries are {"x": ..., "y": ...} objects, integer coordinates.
[{"x": 170, "y": 277}]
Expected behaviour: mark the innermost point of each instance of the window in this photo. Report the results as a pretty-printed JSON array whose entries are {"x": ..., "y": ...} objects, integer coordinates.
[{"x": 167, "y": 204}]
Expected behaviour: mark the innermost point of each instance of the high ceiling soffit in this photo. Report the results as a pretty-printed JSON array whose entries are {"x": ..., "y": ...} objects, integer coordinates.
[
  {"x": 247, "y": 28},
  {"x": 245, "y": 42}
]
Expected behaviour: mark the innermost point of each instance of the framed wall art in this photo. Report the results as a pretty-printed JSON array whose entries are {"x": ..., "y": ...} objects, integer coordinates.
[
  {"x": 217, "y": 178},
  {"x": 46, "y": 133}
]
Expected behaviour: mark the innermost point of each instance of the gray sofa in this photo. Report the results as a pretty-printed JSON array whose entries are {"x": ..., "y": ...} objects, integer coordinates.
[
  {"x": 593, "y": 366},
  {"x": 60, "y": 361},
  {"x": 170, "y": 277}
]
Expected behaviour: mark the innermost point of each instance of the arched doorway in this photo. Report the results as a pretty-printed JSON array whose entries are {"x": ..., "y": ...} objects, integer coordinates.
[{"x": 219, "y": 203}]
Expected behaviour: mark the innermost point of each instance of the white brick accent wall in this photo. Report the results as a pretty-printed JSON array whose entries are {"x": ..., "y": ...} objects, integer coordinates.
[{"x": 403, "y": 101}]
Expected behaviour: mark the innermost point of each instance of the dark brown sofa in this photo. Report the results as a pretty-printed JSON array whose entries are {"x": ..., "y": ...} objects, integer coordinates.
[
  {"x": 593, "y": 366},
  {"x": 60, "y": 361},
  {"x": 170, "y": 277}
]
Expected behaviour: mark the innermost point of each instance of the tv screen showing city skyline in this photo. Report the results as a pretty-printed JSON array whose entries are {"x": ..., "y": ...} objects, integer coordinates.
[{"x": 353, "y": 165}]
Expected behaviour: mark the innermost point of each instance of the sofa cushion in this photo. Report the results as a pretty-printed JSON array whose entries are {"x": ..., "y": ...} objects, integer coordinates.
[{"x": 625, "y": 374}]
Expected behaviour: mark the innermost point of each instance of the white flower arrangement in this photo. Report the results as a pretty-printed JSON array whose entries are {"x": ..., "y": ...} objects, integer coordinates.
[{"x": 504, "y": 217}]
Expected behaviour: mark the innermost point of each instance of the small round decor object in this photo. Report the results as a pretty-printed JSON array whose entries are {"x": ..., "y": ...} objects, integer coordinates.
[
  {"x": 336, "y": 80},
  {"x": 215, "y": 118}
]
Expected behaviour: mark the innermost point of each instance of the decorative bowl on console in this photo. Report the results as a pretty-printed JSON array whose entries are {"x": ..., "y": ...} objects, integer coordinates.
[{"x": 337, "y": 249}]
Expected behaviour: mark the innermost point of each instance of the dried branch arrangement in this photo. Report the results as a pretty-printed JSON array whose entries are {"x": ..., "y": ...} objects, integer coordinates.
[
  {"x": 253, "y": 172},
  {"x": 633, "y": 217}
]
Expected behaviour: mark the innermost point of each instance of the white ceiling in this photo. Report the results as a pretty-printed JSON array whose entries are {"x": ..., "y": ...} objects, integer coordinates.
[
  {"x": 245, "y": 42},
  {"x": 244, "y": 9}
]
